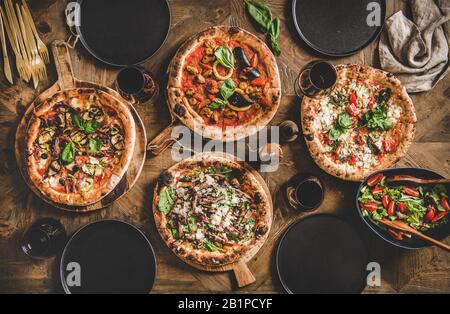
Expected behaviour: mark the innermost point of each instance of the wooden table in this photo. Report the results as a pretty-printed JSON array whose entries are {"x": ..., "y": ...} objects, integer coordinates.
[{"x": 426, "y": 270}]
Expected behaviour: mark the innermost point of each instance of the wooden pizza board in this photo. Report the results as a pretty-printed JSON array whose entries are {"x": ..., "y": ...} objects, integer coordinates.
[
  {"x": 66, "y": 81},
  {"x": 242, "y": 273}
]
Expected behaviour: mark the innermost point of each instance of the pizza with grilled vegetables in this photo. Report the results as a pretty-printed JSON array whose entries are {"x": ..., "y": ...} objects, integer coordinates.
[
  {"x": 364, "y": 123},
  {"x": 210, "y": 210},
  {"x": 79, "y": 145},
  {"x": 224, "y": 83}
]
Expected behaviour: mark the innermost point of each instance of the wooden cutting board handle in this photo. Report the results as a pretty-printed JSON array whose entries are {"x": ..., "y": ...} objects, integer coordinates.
[
  {"x": 244, "y": 276},
  {"x": 63, "y": 64},
  {"x": 163, "y": 140}
]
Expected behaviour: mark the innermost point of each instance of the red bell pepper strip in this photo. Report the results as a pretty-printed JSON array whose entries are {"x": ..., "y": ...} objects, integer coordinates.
[
  {"x": 375, "y": 179},
  {"x": 370, "y": 206},
  {"x": 385, "y": 200},
  {"x": 429, "y": 216},
  {"x": 439, "y": 216},
  {"x": 444, "y": 203},
  {"x": 410, "y": 191},
  {"x": 377, "y": 190}
]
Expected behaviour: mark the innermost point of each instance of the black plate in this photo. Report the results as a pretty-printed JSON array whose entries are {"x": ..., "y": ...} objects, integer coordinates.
[
  {"x": 322, "y": 254},
  {"x": 439, "y": 233},
  {"x": 336, "y": 28},
  {"x": 114, "y": 257},
  {"x": 121, "y": 32}
]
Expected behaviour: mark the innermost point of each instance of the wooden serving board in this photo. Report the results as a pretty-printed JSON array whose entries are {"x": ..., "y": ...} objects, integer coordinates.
[
  {"x": 242, "y": 273},
  {"x": 67, "y": 81}
]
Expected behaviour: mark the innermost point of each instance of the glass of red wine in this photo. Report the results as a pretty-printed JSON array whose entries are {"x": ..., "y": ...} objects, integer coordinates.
[
  {"x": 315, "y": 77},
  {"x": 44, "y": 238},
  {"x": 136, "y": 85},
  {"x": 304, "y": 192}
]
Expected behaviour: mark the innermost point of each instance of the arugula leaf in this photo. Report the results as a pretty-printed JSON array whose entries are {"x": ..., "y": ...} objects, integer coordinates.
[
  {"x": 227, "y": 89},
  {"x": 192, "y": 223},
  {"x": 68, "y": 153},
  {"x": 378, "y": 119},
  {"x": 335, "y": 134},
  {"x": 260, "y": 13},
  {"x": 95, "y": 145},
  {"x": 210, "y": 246},
  {"x": 225, "y": 56},
  {"x": 166, "y": 200}
]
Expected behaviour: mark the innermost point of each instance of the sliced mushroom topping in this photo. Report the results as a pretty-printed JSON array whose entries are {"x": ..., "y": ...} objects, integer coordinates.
[
  {"x": 55, "y": 166},
  {"x": 117, "y": 139},
  {"x": 89, "y": 169}
]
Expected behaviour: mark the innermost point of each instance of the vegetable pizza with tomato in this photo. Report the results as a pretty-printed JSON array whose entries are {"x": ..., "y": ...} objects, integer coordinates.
[
  {"x": 211, "y": 210},
  {"x": 224, "y": 83},
  {"x": 366, "y": 122},
  {"x": 422, "y": 207},
  {"x": 79, "y": 145}
]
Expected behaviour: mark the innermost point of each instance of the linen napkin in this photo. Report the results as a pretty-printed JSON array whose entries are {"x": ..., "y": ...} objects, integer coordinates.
[{"x": 417, "y": 50}]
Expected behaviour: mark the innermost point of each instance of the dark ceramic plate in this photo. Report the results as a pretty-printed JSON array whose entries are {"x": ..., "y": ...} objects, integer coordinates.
[
  {"x": 121, "y": 32},
  {"x": 322, "y": 254},
  {"x": 439, "y": 233},
  {"x": 113, "y": 257},
  {"x": 336, "y": 28}
]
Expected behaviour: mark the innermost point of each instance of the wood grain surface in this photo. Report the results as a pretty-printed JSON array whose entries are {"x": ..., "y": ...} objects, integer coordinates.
[{"x": 423, "y": 271}]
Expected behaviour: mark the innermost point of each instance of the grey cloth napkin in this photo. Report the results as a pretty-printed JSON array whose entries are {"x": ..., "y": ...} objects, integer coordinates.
[{"x": 417, "y": 50}]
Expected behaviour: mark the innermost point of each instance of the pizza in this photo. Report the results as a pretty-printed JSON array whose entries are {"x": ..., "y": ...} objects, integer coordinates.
[
  {"x": 364, "y": 123},
  {"x": 211, "y": 210},
  {"x": 79, "y": 145},
  {"x": 224, "y": 83}
]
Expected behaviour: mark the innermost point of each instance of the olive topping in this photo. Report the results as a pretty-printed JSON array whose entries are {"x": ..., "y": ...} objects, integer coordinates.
[
  {"x": 62, "y": 181},
  {"x": 55, "y": 166},
  {"x": 44, "y": 156}
]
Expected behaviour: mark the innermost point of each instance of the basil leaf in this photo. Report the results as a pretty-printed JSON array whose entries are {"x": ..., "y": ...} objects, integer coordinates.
[
  {"x": 68, "y": 153},
  {"x": 218, "y": 103},
  {"x": 87, "y": 127},
  {"x": 225, "y": 56},
  {"x": 260, "y": 13},
  {"x": 334, "y": 134},
  {"x": 91, "y": 126},
  {"x": 275, "y": 28},
  {"x": 95, "y": 145},
  {"x": 274, "y": 47},
  {"x": 344, "y": 120},
  {"x": 166, "y": 200},
  {"x": 227, "y": 89}
]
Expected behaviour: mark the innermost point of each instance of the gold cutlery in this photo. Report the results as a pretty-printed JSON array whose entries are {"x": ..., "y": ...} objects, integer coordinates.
[
  {"x": 16, "y": 33},
  {"x": 42, "y": 48},
  {"x": 6, "y": 65},
  {"x": 15, "y": 46},
  {"x": 39, "y": 65},
  {"x": 30, "y": 58}
]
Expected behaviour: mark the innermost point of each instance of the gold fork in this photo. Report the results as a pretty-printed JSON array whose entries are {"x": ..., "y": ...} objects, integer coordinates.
[
  {"x": 37, "y": 62},
  {"x": 14, "y": 45},
  {"x": 31, "y": 61},
  {"x": 16, "y": 34},
  {"x": 42, "y": 48},
  {"x": 6, "y": 65}
]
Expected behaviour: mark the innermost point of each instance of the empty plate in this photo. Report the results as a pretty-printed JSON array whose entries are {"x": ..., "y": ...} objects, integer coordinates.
[
  {"x": 108, "y": 256},
  {"x": 337, "y": 28},
  {"x": 121, "y": 32},
  {"x": 322, "y": 254}
]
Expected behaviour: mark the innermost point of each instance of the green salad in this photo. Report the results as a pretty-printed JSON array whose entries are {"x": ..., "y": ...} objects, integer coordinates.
[{"x": 422, "y": 207}]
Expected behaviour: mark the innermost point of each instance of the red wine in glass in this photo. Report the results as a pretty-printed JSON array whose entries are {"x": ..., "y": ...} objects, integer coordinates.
[
  {"x": 314, "y": 78},
  {"x": 44, "y": 238}
]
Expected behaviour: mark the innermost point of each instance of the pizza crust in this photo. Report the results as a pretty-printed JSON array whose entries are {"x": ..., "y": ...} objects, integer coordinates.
[
  {"x": 309, "y": 109},
  {"x": 189, "y": 117},
  {"x": 204, "y": 257},
  {"x": 93, "y": 196}
]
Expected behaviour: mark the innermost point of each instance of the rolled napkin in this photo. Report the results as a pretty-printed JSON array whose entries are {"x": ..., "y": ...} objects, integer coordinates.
[{"x": 417, "y": 50}]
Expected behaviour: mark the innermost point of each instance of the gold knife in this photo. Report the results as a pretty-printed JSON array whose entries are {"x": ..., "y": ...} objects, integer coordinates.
[{"x": 6, "y": 65}]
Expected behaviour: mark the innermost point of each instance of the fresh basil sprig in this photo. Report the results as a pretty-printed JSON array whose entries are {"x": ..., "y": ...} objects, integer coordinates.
[
  {"x": 262, "y": 15},
  {"x": 87, "y": 127},
  {"x": 225, "y": 56},
  {"x": 68, "y": 153},
  {"x": 344, "y": 122}
]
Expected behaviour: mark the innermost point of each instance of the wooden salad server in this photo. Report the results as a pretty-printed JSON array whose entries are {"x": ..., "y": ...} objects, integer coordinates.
[
  {"x": 414, "y": 180},
  {"x": 401, "y": 226}
]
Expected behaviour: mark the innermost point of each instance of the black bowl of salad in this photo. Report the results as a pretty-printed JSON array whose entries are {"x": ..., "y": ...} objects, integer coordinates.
[{"x": 423, "y": 207}]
